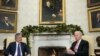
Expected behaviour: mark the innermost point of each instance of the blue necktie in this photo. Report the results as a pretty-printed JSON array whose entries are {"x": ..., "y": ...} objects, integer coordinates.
[{"x": 18, "y": 50}]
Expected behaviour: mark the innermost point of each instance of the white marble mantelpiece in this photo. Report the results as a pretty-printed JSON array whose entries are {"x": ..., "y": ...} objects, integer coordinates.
[{"x": 46, "y": 40}]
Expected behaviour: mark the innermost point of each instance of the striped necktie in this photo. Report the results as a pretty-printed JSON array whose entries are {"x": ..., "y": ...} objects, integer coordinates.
[{"x": 18, "y": 50}]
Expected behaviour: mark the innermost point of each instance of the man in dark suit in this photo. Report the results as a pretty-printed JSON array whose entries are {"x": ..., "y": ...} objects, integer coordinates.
[
  {"x": 96, "y": 20},
  {"x": 17, "y": 48},
  {"x": 8, "y": 3},
  {"x": 50, "y": 12},
  {"x": 80, "y": 47},
  {"x": 5, "y": 24}
]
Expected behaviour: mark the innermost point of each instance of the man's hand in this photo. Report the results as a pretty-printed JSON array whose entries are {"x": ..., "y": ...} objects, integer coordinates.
[
  {"x": 28, "y": 55},
  {"x": 53, "y": 15},
  {"x": 9, "y": 55},
  {"x": 70, "y": 52}
]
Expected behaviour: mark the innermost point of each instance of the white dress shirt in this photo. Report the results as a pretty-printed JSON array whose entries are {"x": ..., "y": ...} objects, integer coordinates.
[
  {"x": 77, "y": 45},
  {"x": 17, "y": 49}
]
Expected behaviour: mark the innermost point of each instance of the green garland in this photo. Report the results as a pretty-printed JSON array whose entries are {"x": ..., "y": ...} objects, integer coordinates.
[{"x": 58, "y": 29}]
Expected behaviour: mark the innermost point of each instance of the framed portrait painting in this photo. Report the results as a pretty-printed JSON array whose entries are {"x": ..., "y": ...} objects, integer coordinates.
[
  {"x": 52, "y": 12},
  {"x": 8, "y": 22},
  {"x": 92, "y": 3},
  {"x": 9, "y": 4},
  {"x": 94, "y": 19}
]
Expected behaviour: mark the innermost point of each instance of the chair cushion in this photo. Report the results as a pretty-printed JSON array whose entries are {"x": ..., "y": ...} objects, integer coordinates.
[{"x": 90, "y": 39}]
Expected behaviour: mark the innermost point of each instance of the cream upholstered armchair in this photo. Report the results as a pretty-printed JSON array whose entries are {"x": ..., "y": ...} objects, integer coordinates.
[{"x": 91, "y": 44}]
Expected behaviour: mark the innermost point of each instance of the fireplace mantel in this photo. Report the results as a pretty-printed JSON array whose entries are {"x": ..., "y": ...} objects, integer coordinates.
[{"x": 49, "y": 39}]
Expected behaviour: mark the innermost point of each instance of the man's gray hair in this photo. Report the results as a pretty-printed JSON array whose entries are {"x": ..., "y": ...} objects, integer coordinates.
[
  {"x": 79, "y": 32},
  {"x": 17, "y": 34}
]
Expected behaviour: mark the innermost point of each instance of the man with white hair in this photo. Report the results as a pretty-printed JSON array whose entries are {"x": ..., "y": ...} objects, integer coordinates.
[{"x": 80, "y": 47}]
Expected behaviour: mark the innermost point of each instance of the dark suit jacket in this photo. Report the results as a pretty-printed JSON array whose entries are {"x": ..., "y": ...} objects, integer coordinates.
[
  {"x": 10, "y": 3},
  {"x": 5, "y": 27},
  {"x": 12, "y": 48},
  {"x": 83, "y": 49}
]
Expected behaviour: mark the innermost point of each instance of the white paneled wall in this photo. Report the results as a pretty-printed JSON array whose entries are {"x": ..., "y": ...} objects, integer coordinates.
[{"x": 28, "y": 14}]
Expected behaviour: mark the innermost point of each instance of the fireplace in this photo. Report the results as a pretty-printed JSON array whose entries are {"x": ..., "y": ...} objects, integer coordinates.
[
  {"x": 49, "y": 44},
  {"x": 51, "y": 51}
]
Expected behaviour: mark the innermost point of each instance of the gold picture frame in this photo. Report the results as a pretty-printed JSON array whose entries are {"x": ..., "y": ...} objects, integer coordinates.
[
  {"x": 52, "y": 12},
  {"x": 93, "y": 3},
  {"x": 9, "y": 4},
  {"x": 8, "y": 22},
  {"x": 94, "y": 19}
]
